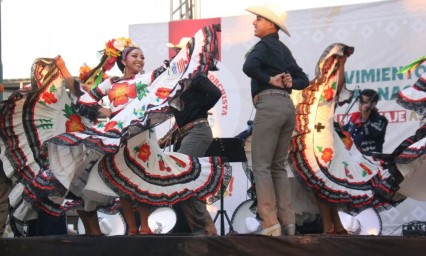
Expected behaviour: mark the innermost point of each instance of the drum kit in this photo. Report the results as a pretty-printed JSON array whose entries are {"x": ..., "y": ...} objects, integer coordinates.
[
  {"x": 367, "y": 222},
  {"x": 163, "y": 219},
  {"x": 160, "y": 221}
]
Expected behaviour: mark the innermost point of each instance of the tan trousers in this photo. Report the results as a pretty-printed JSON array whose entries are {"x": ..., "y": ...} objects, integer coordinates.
[{"x": 273, "y": 127}]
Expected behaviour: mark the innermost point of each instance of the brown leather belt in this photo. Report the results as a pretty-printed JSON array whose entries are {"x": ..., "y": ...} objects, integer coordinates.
[
  {"x": 273, "y": 92},
  {"x": 176, "y": 133},
  {"x": 191, "y": 125}
]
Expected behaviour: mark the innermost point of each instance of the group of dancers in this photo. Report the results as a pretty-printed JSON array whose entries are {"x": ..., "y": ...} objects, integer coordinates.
[
  {"x": 58, "y": 141},
  {"x": 53, "y": 146}
]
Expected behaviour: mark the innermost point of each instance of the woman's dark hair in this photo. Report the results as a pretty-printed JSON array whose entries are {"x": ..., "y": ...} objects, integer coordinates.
[{"x": 124, "y": 54}]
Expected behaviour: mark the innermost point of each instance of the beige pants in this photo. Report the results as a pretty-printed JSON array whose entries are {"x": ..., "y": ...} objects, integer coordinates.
[{"x": 273, "y": 126}]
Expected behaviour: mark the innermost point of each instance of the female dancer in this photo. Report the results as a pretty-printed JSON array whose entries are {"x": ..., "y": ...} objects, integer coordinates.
[
  {"x": 410, "y": 155},
  {"x": 326, "y": 160},
  {"x": 27, "y": 122},
  {"x": 127, "y": 161}
]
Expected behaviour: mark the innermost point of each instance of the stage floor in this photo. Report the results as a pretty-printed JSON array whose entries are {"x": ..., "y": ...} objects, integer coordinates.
[{"x": 219, "y": 245}]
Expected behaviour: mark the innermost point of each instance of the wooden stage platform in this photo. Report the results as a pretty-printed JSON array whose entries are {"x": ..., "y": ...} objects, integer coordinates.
[{"x": 238, "y": 245}]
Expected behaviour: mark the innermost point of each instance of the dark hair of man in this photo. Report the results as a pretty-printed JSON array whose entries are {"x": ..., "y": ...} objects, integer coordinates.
[
  {"x": 276, "y": 26},
  {"x": 371, "y": 94}
]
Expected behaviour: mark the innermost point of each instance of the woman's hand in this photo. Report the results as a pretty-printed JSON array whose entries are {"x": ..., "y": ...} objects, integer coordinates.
[{"x": 105, "y": 112}]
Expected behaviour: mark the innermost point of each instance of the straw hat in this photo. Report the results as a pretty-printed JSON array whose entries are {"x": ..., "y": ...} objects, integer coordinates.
[
  {"x": 182, "y": 43},
  {"x": 273, "y": 13}
]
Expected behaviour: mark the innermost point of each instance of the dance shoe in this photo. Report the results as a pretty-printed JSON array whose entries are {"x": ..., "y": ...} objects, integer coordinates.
[
  {"x": 289, "y": 230},
  {"x": 274, "y": 230}
]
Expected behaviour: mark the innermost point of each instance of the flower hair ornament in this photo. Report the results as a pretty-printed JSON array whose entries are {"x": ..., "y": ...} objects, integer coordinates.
[
  {"x": 90, "y": 76},
  {"x": 109, "y": 55}
]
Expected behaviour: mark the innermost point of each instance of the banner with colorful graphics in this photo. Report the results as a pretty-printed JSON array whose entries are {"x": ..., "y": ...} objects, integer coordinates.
[{"x": 386, "y": 36}]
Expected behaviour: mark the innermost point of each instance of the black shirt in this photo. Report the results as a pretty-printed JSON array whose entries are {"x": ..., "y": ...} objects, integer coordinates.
[
  {"x": 270, "y": 57},
  {"x": 201, "y": 96}
]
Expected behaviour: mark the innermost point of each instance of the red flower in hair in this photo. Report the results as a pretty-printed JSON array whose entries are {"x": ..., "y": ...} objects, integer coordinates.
[
  {"x": 110, "y": 50},
  {"x": 109, "y": 64}
]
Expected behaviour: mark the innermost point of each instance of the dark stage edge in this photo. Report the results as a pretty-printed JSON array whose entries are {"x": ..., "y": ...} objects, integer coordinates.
[{"x": 219, "y": 245}]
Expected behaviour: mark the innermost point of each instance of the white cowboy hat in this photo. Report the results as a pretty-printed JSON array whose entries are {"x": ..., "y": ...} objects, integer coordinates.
[
  {"x": 182, "y": 43},
  {"x": 273, "y": 13}
]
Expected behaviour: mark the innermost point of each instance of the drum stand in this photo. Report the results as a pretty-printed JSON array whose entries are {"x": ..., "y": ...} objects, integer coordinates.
[
  {"x": 223, "y": 215},
  {"x": 231, "y": 150}
]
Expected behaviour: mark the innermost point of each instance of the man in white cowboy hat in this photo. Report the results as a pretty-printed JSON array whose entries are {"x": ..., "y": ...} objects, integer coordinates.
[
  {"x": 182, "y": 43},
  {"x": 195, "y": 137},
  {"x": 274, "y": 73}
]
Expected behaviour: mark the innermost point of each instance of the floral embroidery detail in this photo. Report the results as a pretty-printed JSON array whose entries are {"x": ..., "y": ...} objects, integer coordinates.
[
  {"x": 110, "y": 125},
  {"x": 49, "y": 97},
  {"x": 347, "y": 172},
  {"x": 162, "y": 164},
  {"x": 139, "y": 112},
  {"x": 74, "y": 124},
  {"x": 163, "y": 92},
  {"x": 144, "y": 152},
  {"x": 120, "y": 93},
  {"x": 366, "y": 171},
  {"x": 328, "y": 94},
  {"x": 327, "y": 154},
  {"x": 45, "y": 123},
  {"x": 141, "y": 90},
  {"x": 179, "y": 162}
]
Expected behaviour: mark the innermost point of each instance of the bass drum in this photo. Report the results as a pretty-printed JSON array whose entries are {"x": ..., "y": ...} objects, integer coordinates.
[
  {"x": 110, "y": 224},
  {"x": 162, "y": 220},
  {"x": 243, "y": 219},
  {"x": 367, "y": 222}
]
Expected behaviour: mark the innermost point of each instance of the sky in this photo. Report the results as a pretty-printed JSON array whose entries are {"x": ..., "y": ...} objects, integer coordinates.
[{"x": 77, "y": 29}]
